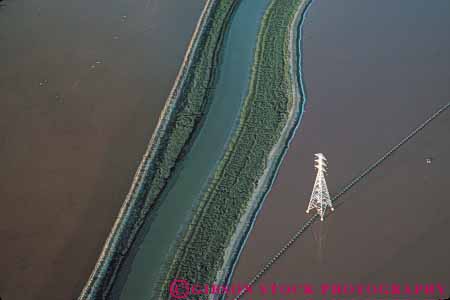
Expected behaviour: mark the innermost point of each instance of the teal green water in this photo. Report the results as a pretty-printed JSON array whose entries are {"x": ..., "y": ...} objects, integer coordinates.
[{"x": 185, "y": 189}]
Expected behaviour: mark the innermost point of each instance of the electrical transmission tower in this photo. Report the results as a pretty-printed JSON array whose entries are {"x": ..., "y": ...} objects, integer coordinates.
[{"x": 320, "y": 197}]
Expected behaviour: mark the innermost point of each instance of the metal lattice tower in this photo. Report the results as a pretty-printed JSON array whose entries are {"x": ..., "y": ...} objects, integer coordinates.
[{"x": 320, "y": 197}]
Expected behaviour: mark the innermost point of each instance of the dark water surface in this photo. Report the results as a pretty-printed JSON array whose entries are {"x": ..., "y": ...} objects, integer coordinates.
[
  {"x": 82, "y": 84},
  {"x": 373, "y": 71}
]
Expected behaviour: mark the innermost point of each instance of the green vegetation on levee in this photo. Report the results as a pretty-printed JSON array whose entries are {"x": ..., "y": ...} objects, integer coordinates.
[
  {"x": 183, "y": 120},
  {"x": 200, "y": 252}
]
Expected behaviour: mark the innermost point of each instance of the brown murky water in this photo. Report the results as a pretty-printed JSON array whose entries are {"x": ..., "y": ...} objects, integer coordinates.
[
  {"x": 373, "y": 71},
  {"x": 82, "y": 84}
]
